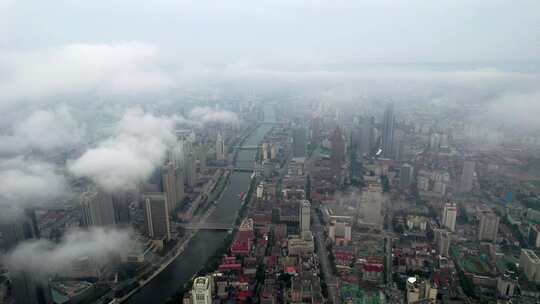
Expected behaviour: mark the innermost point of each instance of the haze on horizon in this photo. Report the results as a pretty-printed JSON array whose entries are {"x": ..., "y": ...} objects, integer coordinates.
[{"x": 112, "y": 80}]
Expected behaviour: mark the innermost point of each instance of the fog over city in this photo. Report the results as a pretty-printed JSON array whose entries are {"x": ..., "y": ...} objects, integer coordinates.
[{"x": 130, "y": 129}]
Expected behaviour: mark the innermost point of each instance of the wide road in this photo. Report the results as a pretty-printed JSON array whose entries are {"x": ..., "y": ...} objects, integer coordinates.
[{"x": 331, "y": 280}]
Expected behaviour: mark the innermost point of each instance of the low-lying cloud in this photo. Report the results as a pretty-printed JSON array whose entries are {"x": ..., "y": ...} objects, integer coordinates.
[
  {"x": 43, "y": 257},
  {"x": 81, "y": 68},
  {"x": 43, "y": 130},
  {"x": 28, "y": 183},
  {"x": 519, "y": 111},
  {"x": 206, "y": 115},
  {"x": 129, "y": 157}
]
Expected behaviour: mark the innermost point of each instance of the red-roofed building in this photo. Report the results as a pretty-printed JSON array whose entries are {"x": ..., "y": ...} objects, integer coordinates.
[
  {"x": 372, "y": 272},
  {"x": 241, "y": 246},
  {"x": 229, "y": 263},
  {"x": 244, "y": 295}
]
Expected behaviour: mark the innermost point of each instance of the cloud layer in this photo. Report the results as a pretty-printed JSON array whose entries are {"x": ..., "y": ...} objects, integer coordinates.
[
  {"x": 28, "y": 183},
  {"x": 129, "y": 157},
  {"x": 43, "y": 257},
  {"x": 43, "y": 130},
  {"x": 80, "y": 68},
  {"x": 207, "y": 115}
]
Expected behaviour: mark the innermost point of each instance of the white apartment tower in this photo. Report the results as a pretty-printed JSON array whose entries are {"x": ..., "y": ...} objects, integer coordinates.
[
  {"x": 449, "y": 216},
  {"x": 220, "y": 148},
  {"x": 305, "y": 220},
  {"x": 201, "y": 292}
]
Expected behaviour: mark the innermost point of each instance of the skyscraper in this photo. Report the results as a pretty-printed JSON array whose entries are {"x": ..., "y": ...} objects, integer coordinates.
[
  {"x": 489, "y": 226},
  {"x": 121, "y": 202},
  {"x": 97, "y": 208},
  {"x": 168, "y": 174},
  {"x": 466, "y": 182},
  {"x": 265, "y": 153},
  {"x": 176, "y": 154},
  {"x": 388, "y": 132},
  {"x": 180, "y": 192},
  {"x": 201, "y": 157},
  {"x": 405, "y": 176},
  {"x": 366, "y": 137},
  {"x": 273, "y": 151},
  {"x": 449, "y": 216},
  {"x": 220, "y": 148},
  {"x": 338, "y": 151},
  {"x": 442, "y": 239},
  {"x": 156, "y": 215},
  {"x": 27, "y": 287},
  {"x": 305, "y": 220},
  {"x": 316, "y": 132},
  {"x": 299, "y": 142},
  {"x": 191, "y": 171}
]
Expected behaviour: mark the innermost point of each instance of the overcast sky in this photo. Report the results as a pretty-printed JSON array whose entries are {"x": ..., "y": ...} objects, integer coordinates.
[{"x": 286, "y": 30}]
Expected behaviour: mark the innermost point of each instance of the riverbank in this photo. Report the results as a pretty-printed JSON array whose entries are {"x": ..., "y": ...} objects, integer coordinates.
[{"x": 203, "y": 245}]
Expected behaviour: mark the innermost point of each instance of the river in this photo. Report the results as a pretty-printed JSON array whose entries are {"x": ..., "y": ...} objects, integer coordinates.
[{"x": 203, "y": 245}]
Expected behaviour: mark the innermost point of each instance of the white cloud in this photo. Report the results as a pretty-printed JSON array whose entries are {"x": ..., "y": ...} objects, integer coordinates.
[
  {"x": 517, "y": 110},
  {"x": 43, "y": 257},
  {"x": 205, "y": 115},
  {"x": 28, "y": 183},
  {"x": 79, "y": 68},
  {"x": 130, "y": 156},
  {"x": 44, "y": 130}
]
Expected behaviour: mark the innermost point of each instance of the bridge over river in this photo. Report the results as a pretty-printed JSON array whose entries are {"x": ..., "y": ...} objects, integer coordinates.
[
  {"x": 206, "y": 241},
  {"x": 207, "y": 226}
]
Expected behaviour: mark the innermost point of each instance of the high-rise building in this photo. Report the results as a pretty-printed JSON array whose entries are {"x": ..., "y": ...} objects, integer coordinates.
[
  {"x": 176, "y": 154},
  {"x": 405, "y": 176},
  {"x": 366, "y": 136},
  {"x": 97, "y": 208},
  {"x": 168, "y": 174},
  {"x": 489, "y": 226},
  {"x": 338, "y": 151},
  {"x": 316, "y": 130},
  {"x": 299, "y": 142},
  {"x": 273, "y": 151},
  {"x": 191, "y": 171},
  {"x": 305, "y": 220},
  {"x": 420, "y": 291},
  {"x": 467, "y": 175},
  {"x": 201, "y": 157},
  {"x": 388, "y": 132},
  {"x": 529, "y": 263},
  {"x": 20, "y": 229},
  {"x": 201, "y": 291},
  {"x": 220, "y": 148},
  {"x": 27, "y": 288},
  {"x": 449, "y": 216},
  {"x": 121, "y": 201},
  {"x": 533, "y": 237},
  {"x": 370, "y": 207},
  {"x": 180, "y": 192},
  {"x": 156, "y": 215},
  {"x": 265, "y": 151},
  {"x": 442, "y": 239}
]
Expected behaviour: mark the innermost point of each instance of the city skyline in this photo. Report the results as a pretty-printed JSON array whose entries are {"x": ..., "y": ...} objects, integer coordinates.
[{"x": 274, "y": 152}]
